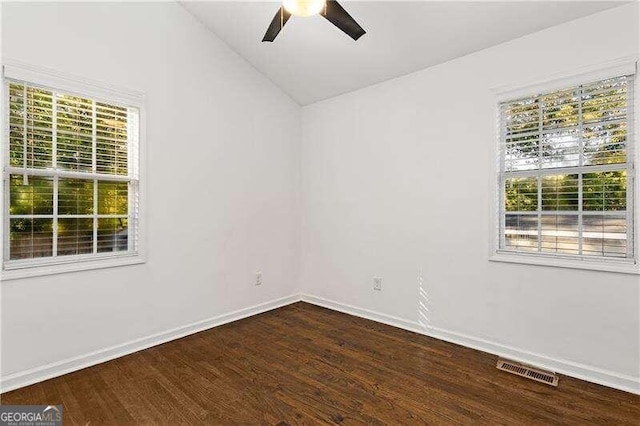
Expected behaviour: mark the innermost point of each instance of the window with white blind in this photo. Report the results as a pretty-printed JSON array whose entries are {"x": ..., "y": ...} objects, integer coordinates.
[
  {"x": 71, "y": 177},
  {"x": 566, "y": 178}
]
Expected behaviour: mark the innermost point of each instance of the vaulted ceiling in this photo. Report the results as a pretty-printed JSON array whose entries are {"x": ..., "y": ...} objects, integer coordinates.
[{"x": 311, "y": 60}]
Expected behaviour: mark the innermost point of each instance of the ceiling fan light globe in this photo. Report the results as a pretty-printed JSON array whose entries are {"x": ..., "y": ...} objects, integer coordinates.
[{"x": 304, "y": 7}]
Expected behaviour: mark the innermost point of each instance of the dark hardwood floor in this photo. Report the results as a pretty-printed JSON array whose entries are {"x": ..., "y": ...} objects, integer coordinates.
[{"x": 303, "y": 364}]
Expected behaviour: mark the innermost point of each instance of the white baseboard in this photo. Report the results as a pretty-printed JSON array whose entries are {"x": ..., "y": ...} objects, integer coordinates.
[
  {"x": 568, "y": 368},
  {"x": 579, "y": 371},
  {"x": 49, "y": 371}
]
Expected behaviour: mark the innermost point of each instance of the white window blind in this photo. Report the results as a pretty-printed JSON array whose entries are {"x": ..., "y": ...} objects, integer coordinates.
[
  {"x": 566, "y": 172},
  {"x": 71, "y": 177}
]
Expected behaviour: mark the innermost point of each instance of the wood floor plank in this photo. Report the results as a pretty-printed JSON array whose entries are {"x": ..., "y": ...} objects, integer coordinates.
[{"x": 303, "y": 364}]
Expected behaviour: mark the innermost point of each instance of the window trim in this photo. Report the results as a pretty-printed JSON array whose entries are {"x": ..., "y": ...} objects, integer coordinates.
[
  {"x": 14, "y": 70},
  {"x": 615, "y": 68}
]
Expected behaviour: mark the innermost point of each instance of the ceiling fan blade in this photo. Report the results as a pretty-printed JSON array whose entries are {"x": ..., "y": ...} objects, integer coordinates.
[
  {"x": 281, "y": 18},
  {"x": 341, "y": 19}
]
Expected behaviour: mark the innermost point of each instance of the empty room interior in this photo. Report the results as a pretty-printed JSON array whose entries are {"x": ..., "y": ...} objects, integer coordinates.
[{"x": 320, "y": 211}]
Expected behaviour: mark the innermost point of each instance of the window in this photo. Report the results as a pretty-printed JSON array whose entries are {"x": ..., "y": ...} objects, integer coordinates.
[
  {"x": 566, "y": 178},
  {"x": 71, "y": 177}
]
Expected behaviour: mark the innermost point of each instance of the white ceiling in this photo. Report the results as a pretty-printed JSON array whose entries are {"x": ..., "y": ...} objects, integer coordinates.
[{"x": 312, "y": 60}]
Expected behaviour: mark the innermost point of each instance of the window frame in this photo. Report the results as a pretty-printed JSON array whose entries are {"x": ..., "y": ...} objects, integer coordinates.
[
  {"x": 95, "y": 90},
  {"x": 579, "y": 76}
]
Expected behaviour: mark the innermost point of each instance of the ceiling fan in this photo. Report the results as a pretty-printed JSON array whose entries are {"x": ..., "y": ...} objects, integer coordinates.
[{"x": 330, "y": 9}]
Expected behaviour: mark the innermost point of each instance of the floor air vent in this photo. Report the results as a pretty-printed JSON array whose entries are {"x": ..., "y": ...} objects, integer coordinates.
[{"x": 528, "y": 372}]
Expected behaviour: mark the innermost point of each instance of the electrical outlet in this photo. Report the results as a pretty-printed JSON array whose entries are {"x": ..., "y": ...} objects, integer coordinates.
[
  {"x": 377, "y": 283},
  {"x": 258, "y": 278}
]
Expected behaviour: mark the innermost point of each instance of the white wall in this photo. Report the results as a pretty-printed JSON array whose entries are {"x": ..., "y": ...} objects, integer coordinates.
[
  {"x": 379, "y": 165},
  {"x": 222, "y": 173}
]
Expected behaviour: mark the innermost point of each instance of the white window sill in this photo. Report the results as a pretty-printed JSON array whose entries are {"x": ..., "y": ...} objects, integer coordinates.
[
  {"x": 619, "y": 266},
  {"x": 13, "y": 272}
]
